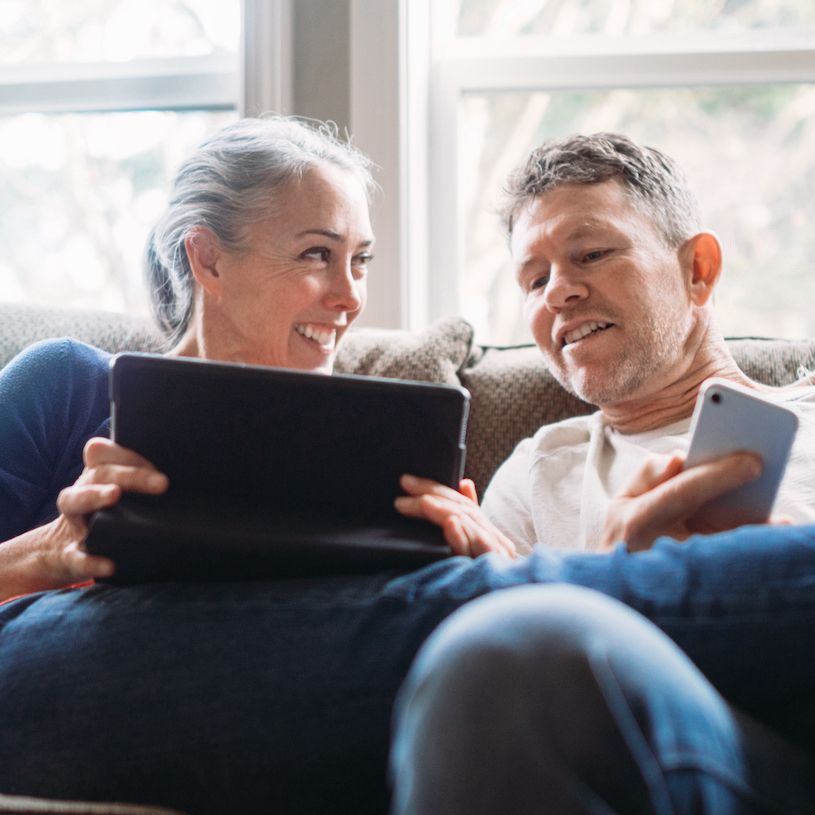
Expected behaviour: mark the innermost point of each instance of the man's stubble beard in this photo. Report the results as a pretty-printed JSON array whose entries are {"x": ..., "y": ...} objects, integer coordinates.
[{"x": 660, "y": 345}]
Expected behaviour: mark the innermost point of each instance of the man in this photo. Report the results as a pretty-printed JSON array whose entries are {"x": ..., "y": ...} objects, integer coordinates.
[
  {"x": 618, "y": 278},
  {"x": 556, "y": 699}
]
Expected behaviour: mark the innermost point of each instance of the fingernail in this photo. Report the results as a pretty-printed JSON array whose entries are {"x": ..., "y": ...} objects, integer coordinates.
[{"x": 409, "y": 479}]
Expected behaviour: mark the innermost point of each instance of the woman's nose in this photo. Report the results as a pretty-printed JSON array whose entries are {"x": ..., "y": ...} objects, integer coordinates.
[{"x": 347, "y": 290}]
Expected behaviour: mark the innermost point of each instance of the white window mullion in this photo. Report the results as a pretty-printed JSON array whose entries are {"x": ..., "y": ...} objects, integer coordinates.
[{"x": 266, "y": 46}]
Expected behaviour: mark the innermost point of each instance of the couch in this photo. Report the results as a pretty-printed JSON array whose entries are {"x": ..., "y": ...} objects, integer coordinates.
[{"x": 512, "y": 395}]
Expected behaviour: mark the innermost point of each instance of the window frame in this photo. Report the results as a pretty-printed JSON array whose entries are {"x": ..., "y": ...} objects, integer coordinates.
[
  {"x": 256, "y": 78},
  {"x": 458, "y": 66}
]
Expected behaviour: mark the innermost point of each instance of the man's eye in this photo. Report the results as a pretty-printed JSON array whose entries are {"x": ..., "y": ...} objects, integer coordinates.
[
  {"x": 538, "y": 283},
  {"x": 594, "y": 255},
  {"x": 318, "y": 253}
]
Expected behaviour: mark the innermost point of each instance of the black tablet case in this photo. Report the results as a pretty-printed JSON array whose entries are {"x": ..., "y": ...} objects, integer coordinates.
[{"x": 273, "y": 472}]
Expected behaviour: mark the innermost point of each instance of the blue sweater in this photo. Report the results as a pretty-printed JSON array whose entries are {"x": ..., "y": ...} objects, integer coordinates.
[{"x": 53, "y": 398}]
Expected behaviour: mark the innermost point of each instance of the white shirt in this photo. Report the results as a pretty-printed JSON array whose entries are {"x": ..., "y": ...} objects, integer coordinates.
[{"x": 555, "y": 487}]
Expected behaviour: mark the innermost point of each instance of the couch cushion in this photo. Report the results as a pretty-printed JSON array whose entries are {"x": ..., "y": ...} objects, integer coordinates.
[
  {"x": 773, "y": 362},
  {"x": 21, "y": 325},
  {"x": 434, "y": 355},
  {"x": 513, "y": 394}
]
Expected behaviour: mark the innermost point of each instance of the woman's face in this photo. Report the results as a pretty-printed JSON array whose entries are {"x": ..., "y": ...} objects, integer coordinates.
[{"x": 288, "y": 299}]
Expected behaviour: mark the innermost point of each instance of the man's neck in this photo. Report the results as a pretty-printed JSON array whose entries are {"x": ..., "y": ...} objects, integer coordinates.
[{"x": 674, "y": 399}]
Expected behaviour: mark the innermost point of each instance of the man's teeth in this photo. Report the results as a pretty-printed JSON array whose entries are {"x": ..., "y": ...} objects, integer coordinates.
[
  {"x": 321, "y": 337},
  {"x": 583, "y": 331}
]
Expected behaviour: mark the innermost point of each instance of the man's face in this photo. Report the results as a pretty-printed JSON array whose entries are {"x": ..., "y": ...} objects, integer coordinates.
[{"x": 605, "y": 298}]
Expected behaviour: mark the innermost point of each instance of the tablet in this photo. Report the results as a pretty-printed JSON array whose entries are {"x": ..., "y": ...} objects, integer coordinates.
[{"x": 274, "y": 472}]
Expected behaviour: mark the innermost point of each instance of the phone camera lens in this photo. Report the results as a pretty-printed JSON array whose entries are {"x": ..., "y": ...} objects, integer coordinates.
[{"x": 716, "y": 398}]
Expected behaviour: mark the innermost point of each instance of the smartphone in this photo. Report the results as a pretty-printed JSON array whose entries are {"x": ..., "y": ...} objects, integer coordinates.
[{"x": 731, "y": 418}]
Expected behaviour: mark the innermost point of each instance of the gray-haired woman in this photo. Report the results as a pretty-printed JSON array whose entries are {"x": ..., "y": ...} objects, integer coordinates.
[{"x": 260, "y": 257}]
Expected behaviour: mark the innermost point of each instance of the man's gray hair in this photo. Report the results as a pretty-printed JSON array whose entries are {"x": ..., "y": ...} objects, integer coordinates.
[
  {"x": 229, "y": 183},
  {"x": 653, "y": 181}
]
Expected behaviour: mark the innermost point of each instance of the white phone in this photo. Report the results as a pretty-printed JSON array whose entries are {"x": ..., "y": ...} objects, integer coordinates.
[{"x": 730, "y": 418}]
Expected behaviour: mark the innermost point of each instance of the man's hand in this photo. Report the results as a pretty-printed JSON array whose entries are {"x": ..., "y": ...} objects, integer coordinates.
[
  {"x": 109, "y": 471},
  {"x": 662, "y": 499},
  {"x": 466, "y": 529}
]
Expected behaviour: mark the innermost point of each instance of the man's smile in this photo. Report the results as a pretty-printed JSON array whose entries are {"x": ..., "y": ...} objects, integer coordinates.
[{"x": 584, "y": 330}]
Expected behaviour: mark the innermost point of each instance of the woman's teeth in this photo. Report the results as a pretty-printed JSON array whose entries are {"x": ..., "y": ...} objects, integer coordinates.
[
  {"x": 583, "y": 331},
  {"x": 320, "y": 337}
]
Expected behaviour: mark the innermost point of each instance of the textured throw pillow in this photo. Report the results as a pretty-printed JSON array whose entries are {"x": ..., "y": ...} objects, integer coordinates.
[
  {"x": 434, "y": 355},
  {"x": 513, "y": 394},
  {"x": 21, "y": 325}
]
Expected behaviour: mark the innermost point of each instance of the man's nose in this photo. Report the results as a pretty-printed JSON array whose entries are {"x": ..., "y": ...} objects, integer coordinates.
[{"x": 564, "y": 287}]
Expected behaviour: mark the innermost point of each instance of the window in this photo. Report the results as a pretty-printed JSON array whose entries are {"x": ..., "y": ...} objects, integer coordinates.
[
  {"x": 727, "y": 88},
  {"x": 99, "y": 102}
]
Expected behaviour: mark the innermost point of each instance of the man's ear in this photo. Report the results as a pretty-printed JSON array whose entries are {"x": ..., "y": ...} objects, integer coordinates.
[
  {"x": 203, "y": 253},
  {"x": 702, "y": 260}
]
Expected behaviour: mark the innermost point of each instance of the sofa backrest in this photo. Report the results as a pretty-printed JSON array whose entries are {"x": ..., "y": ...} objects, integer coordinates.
[{"x": 513, "y": 393}]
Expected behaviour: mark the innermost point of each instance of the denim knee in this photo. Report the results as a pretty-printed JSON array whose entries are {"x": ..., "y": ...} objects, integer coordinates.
[{"x": 557, "y": 699}]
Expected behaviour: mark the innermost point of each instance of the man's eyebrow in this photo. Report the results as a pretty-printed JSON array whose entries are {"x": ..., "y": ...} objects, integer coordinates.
[
  {"x": 586, "y": 228},
  {"x": 525, "y": 264},
  {"x": 333, "y": 235}
]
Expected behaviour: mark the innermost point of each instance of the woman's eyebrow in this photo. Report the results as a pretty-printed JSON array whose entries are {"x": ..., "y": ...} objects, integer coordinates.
[
  {"x": 327, "y": 233},
  {"x": 330, "y": 233}
]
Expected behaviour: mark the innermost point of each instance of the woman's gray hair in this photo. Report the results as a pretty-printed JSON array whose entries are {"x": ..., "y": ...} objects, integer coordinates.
[
  {"x": 654, "y": 182},
  {"x": 225, "y": 186}
]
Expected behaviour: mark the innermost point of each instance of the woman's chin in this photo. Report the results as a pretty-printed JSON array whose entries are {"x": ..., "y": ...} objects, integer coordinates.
[{"x": 308, "y": 355}]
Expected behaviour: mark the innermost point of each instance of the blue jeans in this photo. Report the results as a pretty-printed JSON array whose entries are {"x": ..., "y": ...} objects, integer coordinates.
[
  {"x": 556, "y": 699},
  {"x": 277, "y": 696}
]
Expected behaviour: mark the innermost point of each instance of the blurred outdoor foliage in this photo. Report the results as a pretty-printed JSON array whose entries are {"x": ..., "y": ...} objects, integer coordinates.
[
  {"x": 749, "y": 152},
  {"x": 80, "y": 191}
]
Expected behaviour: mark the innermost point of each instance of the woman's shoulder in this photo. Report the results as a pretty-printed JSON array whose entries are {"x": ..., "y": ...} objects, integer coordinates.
[
  {"x": 62, "y": 379},
  {"x": 61, "y": 358}
]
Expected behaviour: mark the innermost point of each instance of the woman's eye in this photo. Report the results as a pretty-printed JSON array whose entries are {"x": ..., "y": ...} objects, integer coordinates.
[
  {"x": 363, "y": 258},
  {"x": 318, "y": 253}
]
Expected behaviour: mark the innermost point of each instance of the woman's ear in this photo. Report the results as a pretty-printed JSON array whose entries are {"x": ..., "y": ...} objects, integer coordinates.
[
  {"x": 203, "y": 253},
  {"x": 702, "y": 257}
]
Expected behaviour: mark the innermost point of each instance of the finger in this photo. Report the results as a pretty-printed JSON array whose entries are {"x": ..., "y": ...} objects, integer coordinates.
[
  {"x": 128, "y": 478},
  {"x": 683, "y": 496},
  {"x": 87, "y": 498},
  {"x": 409, "y": 506},
  {"x": 454, "y": 536},
  {"x": 482, "y": 539},
  {"x": 104, "y": 451},
  {"x": 467, "y": 488},
  {"x": 430, "y": 507},
  {"x": 655, "y": 470},
  {"x": 82, "y": 565},
  {"x": 413, "y": 485}
]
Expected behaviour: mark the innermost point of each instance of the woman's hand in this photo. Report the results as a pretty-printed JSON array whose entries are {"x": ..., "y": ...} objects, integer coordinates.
[
  {"x": 466, "y": 529},
  {"x": 109, "y": 471},
  {"x": 664, "y": 499}
]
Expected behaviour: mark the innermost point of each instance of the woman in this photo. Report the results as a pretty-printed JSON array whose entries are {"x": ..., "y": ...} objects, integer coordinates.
[{"x": 260, "y": 258}]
